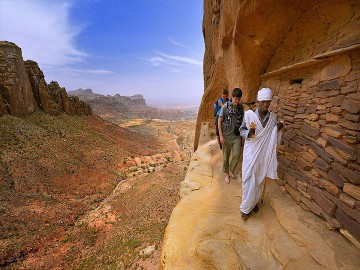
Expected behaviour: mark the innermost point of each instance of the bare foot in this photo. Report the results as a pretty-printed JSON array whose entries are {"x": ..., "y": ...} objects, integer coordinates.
[
  {"x": 227, "y": 179},
  {"x": 232, "y": 174}
]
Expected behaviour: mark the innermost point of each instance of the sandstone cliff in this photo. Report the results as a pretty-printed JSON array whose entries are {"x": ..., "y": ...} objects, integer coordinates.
[
  {"x": 308, "y": 52},
  {"x": 16, "y": 91},
  {"x": 23, "y": 88}
]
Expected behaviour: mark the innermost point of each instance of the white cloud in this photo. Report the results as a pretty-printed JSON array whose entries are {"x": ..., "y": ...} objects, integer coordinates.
[
  {"x": 156, "y": 60},
  {"x": 177, "y": 43},
  {"x": 172, "y": 60},
  {"x": 42, "y": 29},
  {"x": 181, "y": 59},
  {"x": 88, "y": 71},
  {"x": 184, "y": 46}
]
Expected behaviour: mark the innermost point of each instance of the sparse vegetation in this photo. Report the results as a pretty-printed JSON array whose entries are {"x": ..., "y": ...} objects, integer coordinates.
[{"x": 54, "y": 170}]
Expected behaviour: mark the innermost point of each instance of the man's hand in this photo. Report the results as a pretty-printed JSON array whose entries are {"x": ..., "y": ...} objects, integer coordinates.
[
  {"x": 251, "y": 132},
  {"x": 280, "y": 125},
  {"x": 222, "y": 140}
]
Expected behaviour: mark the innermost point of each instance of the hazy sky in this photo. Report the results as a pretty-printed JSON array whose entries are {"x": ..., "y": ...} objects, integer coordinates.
[{"x": 149, "y": 47}]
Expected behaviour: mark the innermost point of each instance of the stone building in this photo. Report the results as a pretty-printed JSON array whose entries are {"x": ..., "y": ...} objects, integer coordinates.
[
  {"x": 308, "y": 53},
  {"x": 23, "y": 88}
]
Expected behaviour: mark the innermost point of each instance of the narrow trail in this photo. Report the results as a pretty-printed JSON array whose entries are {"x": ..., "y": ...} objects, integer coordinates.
[{"x": 206, "y": 231}]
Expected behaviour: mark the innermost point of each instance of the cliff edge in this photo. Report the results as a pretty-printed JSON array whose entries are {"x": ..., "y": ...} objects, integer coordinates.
[{"x": 205, "y": 230}]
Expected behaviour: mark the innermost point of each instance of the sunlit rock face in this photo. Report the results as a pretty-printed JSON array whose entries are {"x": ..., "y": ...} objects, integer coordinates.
[
  {"x": 23, "y": 88},
  {"x": 308, "y": 53},
  {"x": 40, "y": 89},
  {"x": 16, "y": 92}
]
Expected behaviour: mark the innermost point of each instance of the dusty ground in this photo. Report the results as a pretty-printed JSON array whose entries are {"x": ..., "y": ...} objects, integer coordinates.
[{"x": 68, "y": 200}]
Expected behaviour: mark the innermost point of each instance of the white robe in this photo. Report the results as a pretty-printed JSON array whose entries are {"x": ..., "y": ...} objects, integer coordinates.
[{"x": 259, "y": 159}]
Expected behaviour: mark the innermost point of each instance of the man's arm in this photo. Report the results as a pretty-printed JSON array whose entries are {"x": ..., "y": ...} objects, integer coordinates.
[{"x": 220, "y": 121}]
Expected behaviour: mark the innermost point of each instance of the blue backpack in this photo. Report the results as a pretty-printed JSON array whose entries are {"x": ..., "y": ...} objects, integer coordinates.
[{"x": 217, "y": 107}]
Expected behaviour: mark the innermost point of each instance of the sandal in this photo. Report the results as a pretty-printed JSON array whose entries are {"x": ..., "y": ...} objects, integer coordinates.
[
  {"x": 256, "y": 209},
  {"x": 244, "y": 216}
]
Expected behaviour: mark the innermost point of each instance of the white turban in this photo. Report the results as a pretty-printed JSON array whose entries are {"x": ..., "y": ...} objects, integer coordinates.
[{"x": 264, "y": 94}]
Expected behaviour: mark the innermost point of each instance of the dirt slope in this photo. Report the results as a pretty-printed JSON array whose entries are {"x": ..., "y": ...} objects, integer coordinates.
[{"x": 53, "y": 170}]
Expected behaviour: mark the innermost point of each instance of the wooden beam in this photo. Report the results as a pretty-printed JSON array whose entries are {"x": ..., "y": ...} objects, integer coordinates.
[
  {"x": 337, "y": 51},
  {"x": 303, "y": 64}
]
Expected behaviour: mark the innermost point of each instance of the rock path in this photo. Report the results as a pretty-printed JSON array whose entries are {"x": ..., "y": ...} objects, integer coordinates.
[{"x": 206, "y": 231}]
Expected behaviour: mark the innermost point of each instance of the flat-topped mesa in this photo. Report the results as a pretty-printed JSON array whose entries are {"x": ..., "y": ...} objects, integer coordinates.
[
  {"x": 23, "y": 87},
  {"x": 15, "y": 88},
  {"x": 136, "y": 100}
]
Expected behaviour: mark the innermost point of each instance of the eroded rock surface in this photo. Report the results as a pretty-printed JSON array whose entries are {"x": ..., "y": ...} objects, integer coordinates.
[
  {"x": 206, "y": 231},
  {"x": 23, "y": 88}
]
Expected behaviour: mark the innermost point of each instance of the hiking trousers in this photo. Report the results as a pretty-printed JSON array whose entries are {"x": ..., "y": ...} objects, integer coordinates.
[{"x": 233, "y": 147}]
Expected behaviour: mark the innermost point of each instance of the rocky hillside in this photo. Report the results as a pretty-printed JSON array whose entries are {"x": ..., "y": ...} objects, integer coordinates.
[
  {"x": 60, "y": 166},
  {"x": 52, "y": 170},
  {"x": 23, "y": 88}
]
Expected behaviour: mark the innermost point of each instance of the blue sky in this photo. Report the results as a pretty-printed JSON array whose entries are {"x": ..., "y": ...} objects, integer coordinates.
[{"x": 149, "y": 47}]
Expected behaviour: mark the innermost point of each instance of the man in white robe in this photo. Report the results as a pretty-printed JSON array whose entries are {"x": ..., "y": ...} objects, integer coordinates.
[{"x": 260, "y": 130}]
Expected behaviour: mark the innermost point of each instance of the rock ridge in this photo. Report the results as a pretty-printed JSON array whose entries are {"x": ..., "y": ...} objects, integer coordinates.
[{"x": 23, "y": 88}]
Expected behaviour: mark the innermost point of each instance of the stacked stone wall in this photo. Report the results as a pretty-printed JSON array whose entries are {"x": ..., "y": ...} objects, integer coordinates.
[{"x": 320, "y": 156}]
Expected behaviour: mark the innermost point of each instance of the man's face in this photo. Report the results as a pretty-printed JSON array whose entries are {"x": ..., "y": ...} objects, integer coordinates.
[
  {"x": 236, "y": 101},
  {"x": 264, "y": 105},
  {"x": 224, "y": 96}
]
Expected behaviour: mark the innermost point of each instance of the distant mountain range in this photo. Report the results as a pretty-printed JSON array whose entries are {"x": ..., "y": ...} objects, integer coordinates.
[
  {"x": 120, "y": 107},
  {"x": 102, "y": 104}
]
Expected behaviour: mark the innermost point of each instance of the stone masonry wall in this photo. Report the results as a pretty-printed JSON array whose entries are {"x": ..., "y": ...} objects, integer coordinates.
[{"x": 319, "y": 160}]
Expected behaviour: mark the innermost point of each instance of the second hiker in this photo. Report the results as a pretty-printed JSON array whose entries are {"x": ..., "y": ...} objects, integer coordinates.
[{"x": 230, "y": 119}]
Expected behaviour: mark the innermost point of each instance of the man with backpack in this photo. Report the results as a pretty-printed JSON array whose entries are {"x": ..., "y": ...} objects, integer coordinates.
[
  {"x": 230, "y": 120},
  {"x": 217, "y": 108}
]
